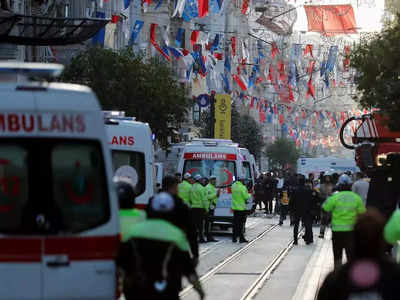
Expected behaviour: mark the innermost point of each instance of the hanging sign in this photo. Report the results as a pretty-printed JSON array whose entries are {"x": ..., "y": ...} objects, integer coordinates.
[{"x": 223, "y": 106}]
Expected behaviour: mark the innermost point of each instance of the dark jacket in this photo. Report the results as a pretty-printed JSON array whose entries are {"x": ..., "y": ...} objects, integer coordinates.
[
  {"x": 142, "y": 260},
  {"x": 183, "y": 219},
  {"x": 301, "y": 201},
  {"x": 339, "y": 285}
]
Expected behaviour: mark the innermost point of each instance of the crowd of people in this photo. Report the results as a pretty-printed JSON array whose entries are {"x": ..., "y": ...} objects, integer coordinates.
[{"x": 161, "y": 245}]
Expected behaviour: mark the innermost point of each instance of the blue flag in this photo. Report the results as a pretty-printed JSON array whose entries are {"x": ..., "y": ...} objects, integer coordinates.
[
  {"x": 215, "y": 44},
  {"x": 180, "y": 35},
  {"x": 127, "y": 3},
  {"x": 332, "y": 58},
  {"x": 215, "y": 6},
  {"x": 227, "y": 88},
  {"x": 136, "y": 30},
  {"x": 101, "y": 34},
  {"x": 175, "y": 52},
  {"x": 190, "y": 11},
  {"x": 326, "y": 79},
  {"x": 322, "y": 69},
  {"x": 228, "y": 64},
  {"x": 158, "y": 4}
]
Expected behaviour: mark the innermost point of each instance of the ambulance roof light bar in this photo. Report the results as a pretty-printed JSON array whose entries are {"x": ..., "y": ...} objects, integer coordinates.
[
  {"x": 117, "y": 115},
  {"x": 213, "y": 142},
  {"x": 15, "y": 71}
]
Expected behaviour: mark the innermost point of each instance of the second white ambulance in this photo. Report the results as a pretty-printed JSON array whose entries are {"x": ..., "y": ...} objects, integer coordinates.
[{"x": 132, "y": 153}]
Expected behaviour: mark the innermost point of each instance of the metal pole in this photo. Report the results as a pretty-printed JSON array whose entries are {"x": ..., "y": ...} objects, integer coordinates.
[{"x": 212, "y": 114}]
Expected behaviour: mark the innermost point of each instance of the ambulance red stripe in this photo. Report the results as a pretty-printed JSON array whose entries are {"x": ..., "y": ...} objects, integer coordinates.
[
  {"x": 20, "y": 250},
  {"x": 83, "y": 248}
]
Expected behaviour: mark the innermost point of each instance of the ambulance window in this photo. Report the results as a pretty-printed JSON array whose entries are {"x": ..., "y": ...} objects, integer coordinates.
[
  {"x": 247, "y": 170},
  {"x": 137, "y": 172},
  {"x": 13, "y": 186},
  {"x": 224, "y": 170},
  {"x": 79, "y": 185}
]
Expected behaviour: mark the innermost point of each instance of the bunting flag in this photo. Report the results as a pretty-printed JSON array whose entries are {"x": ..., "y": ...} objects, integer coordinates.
[
  {"x": 215, "y": 6},
  {"x": 158, "y": 4},
  {"x": 281, "y": 69},
  {"x": 180, "y": 36},
  {"x": 136, "y": 30},
  {"x": 274, "y": 50},
  {"x": 227, "y": 64},
  {"x": 233, "y": 45},
  {"x": 190, "y": 11},
  {"x": 127, "y": 3},
  {"x": 333, "y": 50},
  {"x": 227, "y": 88},
  {"x": 310, "y": 68},
  {"x": 175, "y": 52},
  {"x": 179, "y": 8},
  {"x": 163, "y": 52},
  {"x": 240, "y": 82},
  {"x": 322, "y": 68},
  {"x": 245, "y": 6},
  {"x": 308, "y": 50},
  {"x": 101, "y": 34},
  {"x": 215, "y": 43},
  {"x": 252, "y": 102},
  {"x": 346, "y": 61},
  {"x": 311, "y": 89},
  {"x": 146, "y": 4},
  {"x": 218, "y": 55},
  {"x": 271, "y": 73},
  {"x": 203, "y": 8},
  {"x": 194, "y": 37}
]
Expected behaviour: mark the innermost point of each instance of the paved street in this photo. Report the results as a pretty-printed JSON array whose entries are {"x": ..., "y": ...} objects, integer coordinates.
[{"x": 264, "y": 267}]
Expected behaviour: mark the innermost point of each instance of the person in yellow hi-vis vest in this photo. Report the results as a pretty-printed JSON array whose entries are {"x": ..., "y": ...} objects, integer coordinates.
[
  {"x": 212, "y": 198},
  {"x": 240, "y": 196},
  {"x": 198, "y": 203},
  {"x": 184, "y": 188}
]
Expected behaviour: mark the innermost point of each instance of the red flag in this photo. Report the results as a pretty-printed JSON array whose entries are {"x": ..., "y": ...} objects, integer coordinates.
[
  {"x": 154, "y": 43},
  {"x": 245, "y": 6},
  {"x": 233, "y": 44},
  {"x": 203, "y": 8},
  {"x": 291, "y": 97},
  {"x": 281, "y": 119},
  {"x": 258, "y": 105},
  {"x": 275, "y": 109},
  {"x": 114, "y": 19},
  {"x": 311, "y": 89},
  {"x": 262, "y": 116},
  {"x": 334, "y": 83},
  {"x": 240, "y": 82},
  {"x": 259, "y": 80},
  {"x": 194, "y": 37},
  {"x": 346, "y": 61},
  {"x": 218, "y": 55},
  {"x": 310, "y": 68},
  {"x": 252, "y": 102},
  {"x": 274, "y": 50},
  {"x": 271, "y": 73},
  {"x": 308, "y": 49},
  {"x": 281, "y": 68}
]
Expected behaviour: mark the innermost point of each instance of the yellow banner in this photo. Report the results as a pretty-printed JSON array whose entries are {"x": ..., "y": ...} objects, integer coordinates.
[{"x": 223, "y": 106}]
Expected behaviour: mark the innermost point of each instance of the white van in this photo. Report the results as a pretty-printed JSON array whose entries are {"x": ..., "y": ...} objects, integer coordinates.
[
  {"x": 59, "y": 218},
  {"x": 221, "y": 158},
  {"x": 329, "y": 165},
  {"x": 132, "y": 153}
]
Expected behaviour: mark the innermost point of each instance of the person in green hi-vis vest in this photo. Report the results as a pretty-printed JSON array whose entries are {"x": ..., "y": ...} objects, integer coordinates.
[
  {"x": 240, "y": 196},
  {"x": 128, "y": 215},
  {"x": 212, "y": 199},
  {"x": 198, "y": 202},
  {"x": 156, "y": 255},
  {"x": 184, "y": 188}
]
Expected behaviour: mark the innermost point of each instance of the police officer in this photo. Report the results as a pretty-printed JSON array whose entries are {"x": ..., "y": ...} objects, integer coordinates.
[
  {"x": 212, "y": 198},
  {"x": 156, "y": 255},
  {"x": 198, "y": 203},
  {"x": 128, "y": 215},
  {"x": 240, "y": 196},
  {"x": 344, "y": 206},
  {"x": 184, "y": 188}
]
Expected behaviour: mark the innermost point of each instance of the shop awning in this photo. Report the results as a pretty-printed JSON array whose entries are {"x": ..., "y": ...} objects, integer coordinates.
[{"x": 46, "y": 31}]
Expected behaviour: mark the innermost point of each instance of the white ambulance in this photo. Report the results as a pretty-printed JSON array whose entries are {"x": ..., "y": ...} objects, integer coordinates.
[
  {"x": 132, "y": 153},
  {"x": 221, "y": 158},
  {"x": 59, "y": 218}
]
